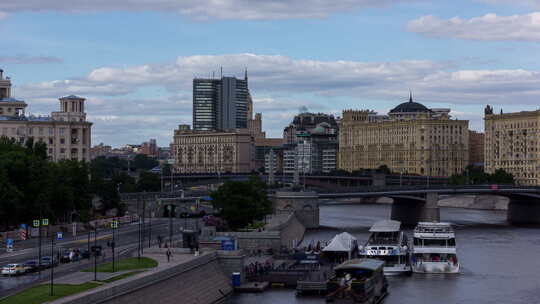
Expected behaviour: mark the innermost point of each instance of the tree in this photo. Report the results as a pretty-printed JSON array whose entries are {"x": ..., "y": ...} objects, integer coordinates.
[
  {"x": 241, "y": 203},
  {"x": 143, "y": 162},
  {"x": 149, "y": 182},
  {"x": 501, "y": 177}
]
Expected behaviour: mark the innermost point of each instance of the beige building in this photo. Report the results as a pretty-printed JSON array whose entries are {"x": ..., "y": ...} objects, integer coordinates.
[
  {"x": 410, "y": 139},
  {"x": 66, "y": 132},
  {"x": 476, "y": 148},
  {"x": 213, "y": 152},
  {"x": 512, "y": 143}
]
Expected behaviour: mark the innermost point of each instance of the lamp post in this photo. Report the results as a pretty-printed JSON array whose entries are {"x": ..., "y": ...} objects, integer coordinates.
[
  {"x": 95, "y": 251},
  {"x": 114, "y": 226}
]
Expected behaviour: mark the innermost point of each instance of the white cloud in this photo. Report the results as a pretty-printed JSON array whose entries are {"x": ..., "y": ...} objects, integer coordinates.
[
  {"x": 279, "y": 85},
  {"x": 488, "y": 27},
  {"x": 203, "y": 9},
  {"x": 3, "y": 15}
]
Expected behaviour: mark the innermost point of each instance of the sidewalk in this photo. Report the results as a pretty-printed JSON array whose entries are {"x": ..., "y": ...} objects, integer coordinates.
[{"x": 80, "y": 277}]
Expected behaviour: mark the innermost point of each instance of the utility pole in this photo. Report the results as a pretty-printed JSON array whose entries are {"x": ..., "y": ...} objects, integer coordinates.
[
  {"x": 170, "y": 223},
  {"x": 52, "y": 264},
  {"x": 143, "y": 225},
  {"x": 95, "y": 251},
  {"x": 114, "y": 226},
  {"x": 139, "y": 243}
]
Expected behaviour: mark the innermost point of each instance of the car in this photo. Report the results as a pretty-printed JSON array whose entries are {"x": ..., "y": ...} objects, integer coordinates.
[
  {"x": 65, "y": 257},
  {"x": 85, "y": 254},
  {"x": 30, "y": 266},
  {"x": 48, "y": 262},
  {"x": 13, "y": 269}
]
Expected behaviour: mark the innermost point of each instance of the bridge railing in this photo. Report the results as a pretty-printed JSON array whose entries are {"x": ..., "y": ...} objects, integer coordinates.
[{"x": 494, "y": 187}]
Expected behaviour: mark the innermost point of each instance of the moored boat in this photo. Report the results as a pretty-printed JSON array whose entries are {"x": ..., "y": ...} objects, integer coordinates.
[
  {"x": 434, "y": 248},
  {"x": 389, "y": 244},
  {"x": 358, "y": 281}
]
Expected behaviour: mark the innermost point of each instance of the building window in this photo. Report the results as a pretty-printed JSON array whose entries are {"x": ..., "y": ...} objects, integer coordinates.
[
  {"x": 62, "y": 141},
  {"x": 62, "y": 150}
]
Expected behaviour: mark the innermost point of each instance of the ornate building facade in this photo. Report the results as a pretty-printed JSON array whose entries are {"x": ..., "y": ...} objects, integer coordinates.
[
  {"x": 213, "y": 152},
  {"x": 410, "y": 139},
  {"x": 512, "y": 143},
  {"x": 66, "y": 132}
]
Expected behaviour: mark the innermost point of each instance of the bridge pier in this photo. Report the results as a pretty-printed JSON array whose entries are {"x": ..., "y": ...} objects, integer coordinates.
[
  {"x": 305, "y": 205},
  {"x": 523, "y": 209},
  {"x": 410, "y": 210}
]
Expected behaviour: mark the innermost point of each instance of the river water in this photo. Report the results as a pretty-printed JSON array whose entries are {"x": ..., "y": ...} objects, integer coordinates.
[{"x": 499, "y": 263}]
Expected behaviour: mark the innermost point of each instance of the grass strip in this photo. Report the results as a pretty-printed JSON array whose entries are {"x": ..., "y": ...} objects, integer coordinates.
[
  {"x": 120, "y": 277},
  {"x": 126, "y": 264},
  {"x": 41, "y": 293}
]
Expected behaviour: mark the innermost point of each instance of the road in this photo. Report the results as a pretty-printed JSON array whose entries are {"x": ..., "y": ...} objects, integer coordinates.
[{"x": 126, "y": 237}]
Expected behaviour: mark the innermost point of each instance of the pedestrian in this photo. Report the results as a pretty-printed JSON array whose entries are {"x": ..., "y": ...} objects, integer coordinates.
[{"x": 168, "y": 253}]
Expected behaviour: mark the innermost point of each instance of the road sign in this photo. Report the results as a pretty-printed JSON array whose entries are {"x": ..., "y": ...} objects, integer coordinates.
[
  {"x": 9, "y": 245},
  {"x": 59, "y": 236},
  {"x": 23, "y": 233},
  {"x": 45, "y": 222},
  {"x": 114, "y": 224},
  {"x": 35, "y": 223}
]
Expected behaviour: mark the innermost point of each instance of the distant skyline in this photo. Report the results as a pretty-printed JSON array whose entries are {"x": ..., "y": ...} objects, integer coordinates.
[{"x": 134, "y": 60}]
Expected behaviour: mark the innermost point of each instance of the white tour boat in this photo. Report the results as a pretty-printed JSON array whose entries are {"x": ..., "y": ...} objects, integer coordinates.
[
  {"x": 434, "y": 248},
  {"x": 388, "y": 243}
]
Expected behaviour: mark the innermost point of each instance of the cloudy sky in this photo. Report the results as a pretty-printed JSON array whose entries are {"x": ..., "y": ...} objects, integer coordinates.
[{"x": 134, "y": 60}]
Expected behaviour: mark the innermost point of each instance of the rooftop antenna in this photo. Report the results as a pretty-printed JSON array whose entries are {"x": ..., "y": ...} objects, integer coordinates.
[
  {"x": 213, "y": 74},
  {"x": 221, "y": 71},
  {"x": 245, "y": 74}
]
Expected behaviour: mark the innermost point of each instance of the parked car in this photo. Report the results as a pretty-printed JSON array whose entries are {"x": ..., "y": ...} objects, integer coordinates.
[
  {"x": 48, "y": 262},
  {"x": 31, "y": 266},
  {"x": 13, "y": 269},
  {"x": 85, "y": 254},
  {"x": 66, "y": 256}
]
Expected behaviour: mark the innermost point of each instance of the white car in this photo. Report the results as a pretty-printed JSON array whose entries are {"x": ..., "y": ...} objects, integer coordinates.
[{"x": 13, "y": 269}]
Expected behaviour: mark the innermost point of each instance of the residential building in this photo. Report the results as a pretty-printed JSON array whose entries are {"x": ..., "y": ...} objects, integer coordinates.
[
  {"x": 410, "y": 139},
  {"x": 213, "y": 151},
  {"x": 476, "y": 148},
  {"x": 311, "y": 144},
  {"x": 67, "y": 133},
  {"x": 512, "y": 143},
  {"x": 100, "y": 150},
  {"x": 220, "y": 104},
  {"x": 149, "y": 148},
  {"x": 263, "y": 145}
]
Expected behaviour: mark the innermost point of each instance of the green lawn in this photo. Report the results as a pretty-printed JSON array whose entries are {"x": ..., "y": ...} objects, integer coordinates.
[
  {"x": 119, "y": 277},
  {"x": 126, "y": 264},
  {"x": 41, "y": 293}
]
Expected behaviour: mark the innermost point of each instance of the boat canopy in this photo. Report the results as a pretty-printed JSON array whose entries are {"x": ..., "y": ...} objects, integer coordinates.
[
  {"x": 385, "y": 226},
  {"x": 363, "y": 264},
  {"x": 343, "y": 242}
]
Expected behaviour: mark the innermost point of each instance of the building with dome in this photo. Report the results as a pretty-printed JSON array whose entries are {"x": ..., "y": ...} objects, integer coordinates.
[
  {"x": 411, "y": 139},
  {"x": 67, "y": 133}
]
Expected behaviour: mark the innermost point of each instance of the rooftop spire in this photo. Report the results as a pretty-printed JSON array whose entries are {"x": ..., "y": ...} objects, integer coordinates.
[
  {"x": 410, "y": 96},
  {"x": 245, "y": 74}
]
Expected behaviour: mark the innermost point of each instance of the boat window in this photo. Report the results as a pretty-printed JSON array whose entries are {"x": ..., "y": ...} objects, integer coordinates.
[
  {"x": 431, "y": 242},
  {"x": 452, "y": 242},
  {"x": 384, "y": 237}
]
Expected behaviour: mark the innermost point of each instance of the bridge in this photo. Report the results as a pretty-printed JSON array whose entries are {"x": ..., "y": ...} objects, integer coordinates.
[
  {"x": 319, "y": 181},
  {"x": 414, "y": 204}
]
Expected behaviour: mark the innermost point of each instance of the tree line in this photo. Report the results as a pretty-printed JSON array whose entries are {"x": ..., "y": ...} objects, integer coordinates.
[{"x": 33, "y": 187}]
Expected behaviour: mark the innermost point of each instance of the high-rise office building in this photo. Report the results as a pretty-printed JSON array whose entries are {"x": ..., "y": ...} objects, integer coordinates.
[{"x": 220, "y": 104}]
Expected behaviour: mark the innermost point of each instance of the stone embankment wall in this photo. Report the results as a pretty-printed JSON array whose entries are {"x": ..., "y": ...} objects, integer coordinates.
[
  {"x": 283, "y": 229},
  {"x": 199, "y": 281}
]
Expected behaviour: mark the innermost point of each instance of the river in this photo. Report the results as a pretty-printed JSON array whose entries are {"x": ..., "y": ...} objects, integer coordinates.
[{"x": 499, "y": 263}]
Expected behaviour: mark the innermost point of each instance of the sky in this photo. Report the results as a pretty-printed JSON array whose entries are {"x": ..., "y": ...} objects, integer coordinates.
[{"x": 134, "y": 60}]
